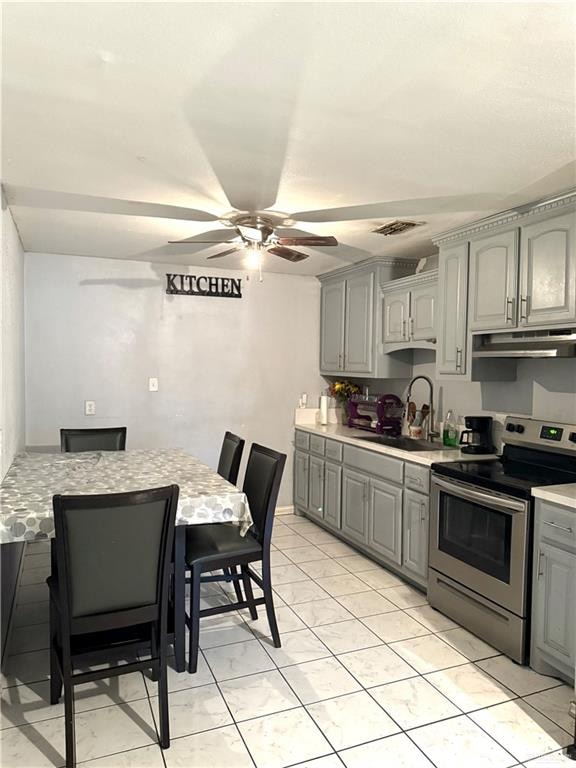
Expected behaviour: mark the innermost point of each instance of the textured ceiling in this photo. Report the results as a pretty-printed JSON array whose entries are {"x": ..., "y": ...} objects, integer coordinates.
[{"x": 465, "y": 108}]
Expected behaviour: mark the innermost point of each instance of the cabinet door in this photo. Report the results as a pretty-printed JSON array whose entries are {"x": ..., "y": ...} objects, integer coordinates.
[
  {"x": 385, "y": 520},
  {"x": 423, "y": 313},
  {"x": 415, "y": 551},
  {"x": 453, "y": 300},
  {"x": 333, "y": 300},
  {"x": 555, "y": 614},
  {"x": 301, "y": 479},
  {"x": 332, "y": 494},
  {"x": 355, "y": 505},
  {"x": 494, "y": 282},
  {"x": 359, "y": 322},
  {"x": 396, "y": 310},
  {"x": 548, "y": 271},
  {"x": 316, "y": 487}
]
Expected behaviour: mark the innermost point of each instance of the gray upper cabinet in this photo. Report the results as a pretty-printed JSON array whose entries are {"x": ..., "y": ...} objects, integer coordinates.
[
  {"x": 301, "y": 467},
  {"x": 494, "y": 282},
  {"x": 415, "y": 524},
  {"x": 385, "y": 520},
  {"x": 423, "y": 313},
  {"x": 359, "y": 317},
  {"x": 548, "y": 271},
  {"x": 355, "y": 490},
  {"x": 396, "y": 314},
  {"x": 316, "y": 487},
  {"x": 453, "y": 300},
  {"x": 332, "y": 494},
  {"x": 332, "y": 326}
]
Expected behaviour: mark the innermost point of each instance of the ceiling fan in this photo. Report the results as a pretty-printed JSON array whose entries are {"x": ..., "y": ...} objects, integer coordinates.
[{"x": 258, "y": 233}]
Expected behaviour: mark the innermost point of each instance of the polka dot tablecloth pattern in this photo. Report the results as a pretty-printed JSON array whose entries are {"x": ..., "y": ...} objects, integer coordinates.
[{"x": 34, "y": 478}]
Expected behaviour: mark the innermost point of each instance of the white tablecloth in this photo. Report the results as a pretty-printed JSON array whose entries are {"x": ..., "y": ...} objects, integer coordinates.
[{"x": 34, "y": 478}]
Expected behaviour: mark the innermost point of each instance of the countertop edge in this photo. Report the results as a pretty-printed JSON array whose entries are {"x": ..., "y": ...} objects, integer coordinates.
[{"x": 563, "y": 495}]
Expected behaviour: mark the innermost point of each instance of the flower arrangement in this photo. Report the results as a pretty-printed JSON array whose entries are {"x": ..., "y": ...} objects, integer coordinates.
[{"x": 342, "y": 391}]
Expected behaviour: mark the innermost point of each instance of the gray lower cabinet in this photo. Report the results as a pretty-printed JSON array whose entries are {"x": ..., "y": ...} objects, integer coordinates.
[
  {"x": 494, "y": 282},
  {"x": 332, "y": 494},
  {"x": 453, "y": 301},
  {"x": 316, "y": 487},
  {"x": 548, "y": 271},
  {"x": 555, "y": 600},
  {"x": 355, "y": 489},
  {"x": 301, "y": 467},
  {"x": 385, "y": 520},
  {"x": 416, "y": 525}
]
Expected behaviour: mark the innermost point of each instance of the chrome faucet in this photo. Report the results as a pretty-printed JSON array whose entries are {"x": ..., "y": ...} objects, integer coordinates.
[{"x": 430, "y": 434}]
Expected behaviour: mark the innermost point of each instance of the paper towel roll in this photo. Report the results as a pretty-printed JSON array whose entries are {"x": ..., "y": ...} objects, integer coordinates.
[{"x": 324, "y": 400}]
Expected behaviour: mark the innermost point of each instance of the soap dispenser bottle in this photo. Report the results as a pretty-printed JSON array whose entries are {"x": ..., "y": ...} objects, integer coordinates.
[{"x": 450, "y": 431}]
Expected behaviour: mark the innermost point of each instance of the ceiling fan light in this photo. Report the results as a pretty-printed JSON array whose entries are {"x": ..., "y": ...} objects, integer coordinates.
[{"x": 253, "y": 258}]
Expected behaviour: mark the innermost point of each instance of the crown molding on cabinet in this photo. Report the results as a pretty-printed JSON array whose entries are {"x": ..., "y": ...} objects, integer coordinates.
[
  {"x": 374, "y": 261},
  {"x": 507, "y": 217},
  {"x": 412, "y": 281}
]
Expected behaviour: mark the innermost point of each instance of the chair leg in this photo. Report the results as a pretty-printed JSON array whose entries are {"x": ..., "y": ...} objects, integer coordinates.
[
  {"x": 163, "y": 695},
  {"x": 154, "y": 652},
  {"x": 180, "y": 597},
  {"x": 194, "y": 620},
  {"x": 269, "y": 602},
  {"x": 237, "y": 587},
  {"x": 69, "y": 725},
  {"x": 55, "y": 676},
  {"x": 249, "y": 591}
]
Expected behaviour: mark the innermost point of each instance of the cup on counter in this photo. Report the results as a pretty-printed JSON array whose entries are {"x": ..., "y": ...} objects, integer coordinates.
[{"x": 416, "y": 432}]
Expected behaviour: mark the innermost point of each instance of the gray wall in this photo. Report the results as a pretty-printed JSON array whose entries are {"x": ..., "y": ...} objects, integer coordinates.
[
  {"x": 11, "y": 393},
  {"x": 96, "y": 329}
]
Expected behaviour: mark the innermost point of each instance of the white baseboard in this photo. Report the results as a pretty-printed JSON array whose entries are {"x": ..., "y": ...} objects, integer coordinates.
[{"x": 284, "y": 510}]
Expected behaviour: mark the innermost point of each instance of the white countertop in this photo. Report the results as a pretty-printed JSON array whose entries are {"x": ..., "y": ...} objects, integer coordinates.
[
  {"x": 354, "y": 437},
  {"x": 565, "y": 495}
]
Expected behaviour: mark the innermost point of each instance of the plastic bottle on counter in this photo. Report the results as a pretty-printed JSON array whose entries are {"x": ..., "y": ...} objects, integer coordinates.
[{"x": 450, "y": 431}]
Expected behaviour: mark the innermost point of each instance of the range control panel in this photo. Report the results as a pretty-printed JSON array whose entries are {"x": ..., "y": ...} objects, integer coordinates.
[{"x": 530, "y": 432}]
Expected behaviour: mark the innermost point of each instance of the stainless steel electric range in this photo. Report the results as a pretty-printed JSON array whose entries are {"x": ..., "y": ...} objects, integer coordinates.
[{"x": 481, "y": 527}]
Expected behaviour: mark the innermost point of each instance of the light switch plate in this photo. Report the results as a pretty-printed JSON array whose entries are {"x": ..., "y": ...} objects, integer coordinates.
[
  {"x": 153, "y": 384},
  {"x": 89, "y": 407}
]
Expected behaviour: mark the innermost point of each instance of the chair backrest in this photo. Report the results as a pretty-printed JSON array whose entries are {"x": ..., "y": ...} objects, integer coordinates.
[
  {"x": 107, "y": 439},
  {"x": 261, "y": 485},
  {"x": 113, "y": 555},
  {"x": 230, "y": 457}
]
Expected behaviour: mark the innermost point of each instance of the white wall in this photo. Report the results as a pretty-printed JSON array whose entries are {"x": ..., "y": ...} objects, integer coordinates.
[
  {"x": 11, "y": 343},
  {"x": 96, "y": 329}
]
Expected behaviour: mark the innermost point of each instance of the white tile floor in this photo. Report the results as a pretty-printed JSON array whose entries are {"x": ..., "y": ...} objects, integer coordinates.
[{"x": 368, "y": 675}]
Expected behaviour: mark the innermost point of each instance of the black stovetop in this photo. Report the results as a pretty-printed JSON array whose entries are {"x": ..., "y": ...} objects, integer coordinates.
[{"x": 516, "y": 472}]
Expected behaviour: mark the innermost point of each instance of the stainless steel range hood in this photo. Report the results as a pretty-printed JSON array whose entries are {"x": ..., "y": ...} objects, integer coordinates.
[{"x": 555, "y": 343}]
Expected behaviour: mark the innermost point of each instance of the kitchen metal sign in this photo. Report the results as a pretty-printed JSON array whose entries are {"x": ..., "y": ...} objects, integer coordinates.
[{"x": 190, "y": 285}]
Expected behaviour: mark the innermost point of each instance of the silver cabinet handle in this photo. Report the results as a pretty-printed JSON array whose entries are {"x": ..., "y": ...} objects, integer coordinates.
[
  {"x": 404, "y": 329},
  {"x": 422, "y": 512},
  {"x": 412, "y": 328},
  {"x": 344, "y": 361},
  {"x": 560, "y": 527},
  {"x": 540, "y": 556},
  {"x": 339, "y": 361},
  {"x": 510, "y": 310},
  {"x": 523, "y": 307},
  {"x": 458, "y": 358}
]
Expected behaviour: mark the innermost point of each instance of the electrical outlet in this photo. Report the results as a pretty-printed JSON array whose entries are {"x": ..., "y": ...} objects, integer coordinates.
[
  {"x": 89, "y": 407},
  {"x": 153, "y": 384}
]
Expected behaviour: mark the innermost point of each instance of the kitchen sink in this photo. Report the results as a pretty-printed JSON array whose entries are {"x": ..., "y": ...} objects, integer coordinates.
[{"x": 406, "y": 443}]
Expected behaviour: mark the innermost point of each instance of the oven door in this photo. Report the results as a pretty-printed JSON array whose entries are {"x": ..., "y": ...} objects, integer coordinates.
[{"x": 479, "y": 538}]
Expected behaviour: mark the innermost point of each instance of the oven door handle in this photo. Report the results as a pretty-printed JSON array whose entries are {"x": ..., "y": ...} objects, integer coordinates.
[{"x": 507, "y": 505}]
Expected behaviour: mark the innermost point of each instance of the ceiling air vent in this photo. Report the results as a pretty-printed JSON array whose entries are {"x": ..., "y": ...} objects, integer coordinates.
[{"x": 397, "y": 227}]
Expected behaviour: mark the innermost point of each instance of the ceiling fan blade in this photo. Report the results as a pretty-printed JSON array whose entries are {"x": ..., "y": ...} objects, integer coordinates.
[
  {"x": 241, "y": 113},
  {"x": 223, "y": 253},
  {"x": 415, "y": 207},
  {"x": 213, "y": 236},
  {"x": 69, "y": 201},
  {"x": 287, "y": 253},
  {"x": 311, "y": 241}
]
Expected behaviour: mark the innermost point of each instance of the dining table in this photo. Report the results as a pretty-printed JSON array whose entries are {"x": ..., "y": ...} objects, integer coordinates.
[{"x": 27, "y": 490}]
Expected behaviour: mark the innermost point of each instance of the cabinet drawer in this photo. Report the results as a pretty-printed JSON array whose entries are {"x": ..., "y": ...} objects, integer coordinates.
[
  {"x": 302, "y": 440},
  {"x": 556, "y": 524},
  {"x": 317, "y": 445},
  {"x": 333, "y": 450},
  {"x": 417, "y": 477},
  {"x": 375, "y": 464}
]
